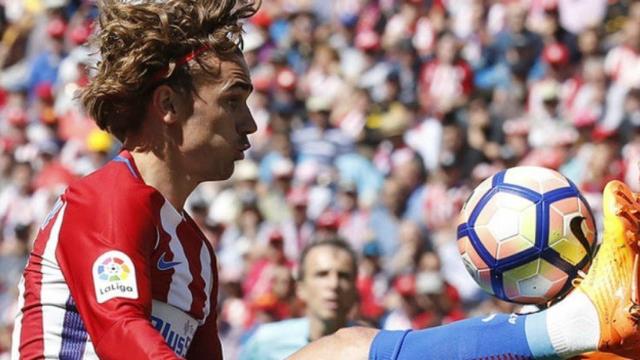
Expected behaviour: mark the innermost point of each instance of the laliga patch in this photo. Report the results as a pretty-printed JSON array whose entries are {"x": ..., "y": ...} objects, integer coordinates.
[{"x": 114, "y": 276}]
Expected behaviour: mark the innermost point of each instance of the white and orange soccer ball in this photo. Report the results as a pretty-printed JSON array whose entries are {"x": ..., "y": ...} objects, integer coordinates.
[{"x": 525, "y": 233}]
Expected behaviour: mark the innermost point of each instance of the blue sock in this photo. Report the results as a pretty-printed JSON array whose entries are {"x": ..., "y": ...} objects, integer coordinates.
[
  {"x": 538, "y": 337},
  {"x": 494, "y": 337},
  {"x": 568, "y": 328}
]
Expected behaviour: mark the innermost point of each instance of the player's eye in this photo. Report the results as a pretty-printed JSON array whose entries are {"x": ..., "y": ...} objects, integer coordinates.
[
  {"x": 233, "y": 104},
  {"x": 344, "y": 275}
]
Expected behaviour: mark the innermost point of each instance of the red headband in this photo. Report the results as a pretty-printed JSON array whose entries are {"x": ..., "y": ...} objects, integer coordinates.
[{"x": 162, "y": 73}]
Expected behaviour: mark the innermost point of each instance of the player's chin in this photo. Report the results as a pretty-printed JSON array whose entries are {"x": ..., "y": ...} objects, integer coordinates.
[
  {"x": 228, "y": 171},
  {"x": 223, "y": 172},
  {"x": 239, "y": 155},
  {"x": 330, "y": 314}
]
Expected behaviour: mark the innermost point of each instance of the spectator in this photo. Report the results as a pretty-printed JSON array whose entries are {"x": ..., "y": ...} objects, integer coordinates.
[
  {"x": 447, "y": 81},
  {"x": 358, "y": 134},
  {"x": 386, "y": 217},
  {"x": 320, "y": 142},
  {"x": 412, "y": 242},
  {"x": 298, "y": 230},
  {"x": 372, "y": 284},
  {"x": 620, "y": 63},
  {"x": 353, "y": 220}
]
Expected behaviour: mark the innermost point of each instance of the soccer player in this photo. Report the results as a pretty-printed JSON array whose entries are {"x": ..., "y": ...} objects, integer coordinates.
[
  {"x": 119, "y": 269},
  {"x": 327, "y": 284}
]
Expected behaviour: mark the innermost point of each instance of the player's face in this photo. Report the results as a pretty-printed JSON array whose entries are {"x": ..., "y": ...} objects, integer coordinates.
[
  {"x": 329, "y": 283},
  {"x": 215, "y": 134}
]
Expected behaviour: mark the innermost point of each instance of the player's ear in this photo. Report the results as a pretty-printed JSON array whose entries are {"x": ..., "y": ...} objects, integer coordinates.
[{"x": 164, "y": 103}]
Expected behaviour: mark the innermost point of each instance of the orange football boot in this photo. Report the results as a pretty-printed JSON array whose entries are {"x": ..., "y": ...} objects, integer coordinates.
[
  {"x": 612, "y": 283},
  {"x": 600, "y": 356}
]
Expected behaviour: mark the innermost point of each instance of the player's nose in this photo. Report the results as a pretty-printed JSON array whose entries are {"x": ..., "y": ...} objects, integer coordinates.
[{"x": 247, "y": 124}]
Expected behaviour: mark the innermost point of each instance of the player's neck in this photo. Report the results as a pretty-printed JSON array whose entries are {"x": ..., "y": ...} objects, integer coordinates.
[
  {"x": 319, "y": 328},
  {"x": 165, "y": 175}
]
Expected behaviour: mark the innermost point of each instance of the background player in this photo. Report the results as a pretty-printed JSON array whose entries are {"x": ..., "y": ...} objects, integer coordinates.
[{"x": 327, "y": 284}]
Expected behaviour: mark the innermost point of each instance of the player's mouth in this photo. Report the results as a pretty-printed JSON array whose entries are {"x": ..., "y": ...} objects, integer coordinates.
[
  {"x": 244, "y": 146},
  {"x": 332, "y": 304}
]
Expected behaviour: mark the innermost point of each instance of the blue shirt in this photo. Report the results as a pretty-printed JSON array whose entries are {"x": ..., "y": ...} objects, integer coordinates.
[
  {"x": 385, "y": 228},
  {"x": 277, "y": 340},
  {"x": 44, "y": 69},
  {"x": 311, "y": 143},
  {"x": 359, "y": 170}
]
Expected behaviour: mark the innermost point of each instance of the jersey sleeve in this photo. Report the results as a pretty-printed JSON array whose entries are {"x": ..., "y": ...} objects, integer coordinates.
[{"x": 104, "y": 251}]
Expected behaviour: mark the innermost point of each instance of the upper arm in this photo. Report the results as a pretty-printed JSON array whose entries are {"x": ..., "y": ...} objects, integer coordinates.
[
  {"x": 104, "y": 253},
  {"x": 105, "y": 261}
]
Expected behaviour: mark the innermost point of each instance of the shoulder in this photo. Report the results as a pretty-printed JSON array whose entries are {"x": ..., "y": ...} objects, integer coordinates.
[
  {"x": 277, "y": 340},
  {"x": 112, "y": 185},
  {"x": 112, "y": 197},
  {"x": 273, "y": 332}
]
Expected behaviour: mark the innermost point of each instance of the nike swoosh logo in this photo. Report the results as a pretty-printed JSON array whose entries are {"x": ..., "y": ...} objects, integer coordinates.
[
  {"x": 166, "y": 265},
  {"x": 576, "y": 228}
]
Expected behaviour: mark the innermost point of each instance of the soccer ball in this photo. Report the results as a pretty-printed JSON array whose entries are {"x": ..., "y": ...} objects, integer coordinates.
[{"x": 525, "y": 233}]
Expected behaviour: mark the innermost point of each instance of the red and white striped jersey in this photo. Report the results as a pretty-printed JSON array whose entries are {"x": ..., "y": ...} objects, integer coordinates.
[
  {"x": 621, "y": 64},
  {"x": 443, "y": 83},
  {"x": 116, "y": 271}
]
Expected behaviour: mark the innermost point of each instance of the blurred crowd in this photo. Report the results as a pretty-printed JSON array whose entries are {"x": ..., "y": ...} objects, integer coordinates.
[{"x": 376, "y": 118}]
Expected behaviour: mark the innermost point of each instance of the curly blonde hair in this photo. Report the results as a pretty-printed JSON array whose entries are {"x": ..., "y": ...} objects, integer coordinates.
[{"x": 142, "y": 39}]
